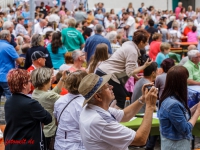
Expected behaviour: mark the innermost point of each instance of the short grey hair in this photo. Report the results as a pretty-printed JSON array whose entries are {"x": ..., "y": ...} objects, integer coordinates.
[
  {"x": 112, "y": 36},
  {"x": 98, "y": 28},
  {"x": 72, "y": 22},
  {"x": 40, "y": 77},
  {"x": 36, "y": 39},
  {"x": 7, "y": 25},
  {"x": 4, "y": 34},
  {"x": 192, "y": 53},
  {"x": 76, "y": 54}
]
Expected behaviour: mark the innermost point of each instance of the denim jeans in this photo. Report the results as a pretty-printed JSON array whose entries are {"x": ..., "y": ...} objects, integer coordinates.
[
  {"x": 5, "y": 89},
  {"x": 151, "y": 142}
]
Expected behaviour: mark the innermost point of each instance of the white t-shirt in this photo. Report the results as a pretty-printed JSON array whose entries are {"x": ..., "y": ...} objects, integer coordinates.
[
  {"x": 101, "y": 130},
  {"x": 64, "y": 67},
  {"x": 130, "y": 22},
  {"x": 38, "y": 29}
]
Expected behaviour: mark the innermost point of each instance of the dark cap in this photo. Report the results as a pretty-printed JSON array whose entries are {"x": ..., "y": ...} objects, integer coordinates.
[
  {"x": 89, "y": 11},
  {"x": 38, "y": 54}
]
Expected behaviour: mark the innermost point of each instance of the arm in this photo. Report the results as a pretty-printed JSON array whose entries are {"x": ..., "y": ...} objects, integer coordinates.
[
  {"x": 144, "y": 130},
  {"x": 177, "y": 118},
  {"x": 195, "y": 112},
  {"x": 138, "y": 69},
  {"x": 62, "y": 80},
  {"x": 20, "y": 60},
  {"x": 192, "y": 82},
  {"x": 39, "y": 113}
]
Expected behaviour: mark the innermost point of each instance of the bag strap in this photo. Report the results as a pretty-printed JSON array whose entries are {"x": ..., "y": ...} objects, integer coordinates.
[{"x": 65, "y": 107}]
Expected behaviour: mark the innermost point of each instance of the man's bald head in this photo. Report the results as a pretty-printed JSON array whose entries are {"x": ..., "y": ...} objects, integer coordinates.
[{"x": 191, "y": 47}]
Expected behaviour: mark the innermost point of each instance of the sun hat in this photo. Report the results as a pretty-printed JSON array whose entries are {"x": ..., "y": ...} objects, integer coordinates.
[
  {"x": 38, "y": 54},
  {"x": 91, "y": 84}
]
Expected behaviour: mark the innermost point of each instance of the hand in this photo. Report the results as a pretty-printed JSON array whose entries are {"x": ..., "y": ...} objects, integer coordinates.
[
  {"x": 64, "y": 74},
  {"x": 198, "y": 108},
  {"x": 147, "y": 63},
  {"x": 151, "y": 97},
  {"x": 21, "y": 60}
]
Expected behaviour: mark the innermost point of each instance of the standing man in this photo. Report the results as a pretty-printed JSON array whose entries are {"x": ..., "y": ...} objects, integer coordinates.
[
  {"x": 93, "y": 41},
  {"x": 72, "y": 39},
  {"x": 129, "y": 25},
  {"x": 7, "y": 62},
  {"x": 80, "y": 15},
  {"x": 178, "y": 9},
  {"x": 99, "y": 124},
  {"x": 38, "y": 28}
]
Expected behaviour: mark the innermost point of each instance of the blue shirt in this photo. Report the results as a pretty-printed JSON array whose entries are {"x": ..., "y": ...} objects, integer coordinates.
[
  {"x": 7, "y": 61},
  {"x": 92, "y": 42},
  {"x": 160, "y": 57},
  {"x": 174, "y": 117},
  {"x": 59, "y": 58},
  {"x": 26, "y": 16},
  {"x": 99, "y": 16}
]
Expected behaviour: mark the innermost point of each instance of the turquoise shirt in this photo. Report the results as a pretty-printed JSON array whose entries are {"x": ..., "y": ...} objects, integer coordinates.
[
  {"x": 72, "y": 39},
  {"x": 160, "y": 57},
  {"x": 59, "y": 58}
]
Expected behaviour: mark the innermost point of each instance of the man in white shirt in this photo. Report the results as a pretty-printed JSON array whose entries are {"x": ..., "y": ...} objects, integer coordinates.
[
  {"x": 99, "y": 125},
  {"x": 130, "y": 25},
  {"x": 181, "y": 22},
  {"x": 174, "y": 35},
  {"x": 20, "y": 29},
  {"x": 109, "y": 21},
  {"x": 38, "y": 28}
]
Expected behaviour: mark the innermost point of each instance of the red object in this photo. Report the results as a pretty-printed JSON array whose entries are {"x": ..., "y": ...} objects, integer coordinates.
[
  {"x": 47, "y": 8},
  {"x": 186, "y": 31},
  {"x": 154, "y": 49},
  {"x": 63, "y": 91}
]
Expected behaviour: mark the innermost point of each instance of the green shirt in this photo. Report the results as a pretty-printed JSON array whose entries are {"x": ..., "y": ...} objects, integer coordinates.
[
  {"x": 72, "y": 39},
  {"x": 47, "y": 100},
  {"x": 194, "y": 70}
]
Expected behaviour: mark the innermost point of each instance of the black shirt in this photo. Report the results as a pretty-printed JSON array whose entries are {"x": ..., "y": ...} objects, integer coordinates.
[
  {"x": 24, "y": 117},
  {"x": 12, "y": 42},
  {"x": 28, "y": 61},
  {"x": 151, "y": 30}
]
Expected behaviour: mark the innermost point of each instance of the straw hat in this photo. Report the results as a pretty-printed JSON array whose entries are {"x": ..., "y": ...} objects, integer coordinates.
[{"x": 90, "y": 84}]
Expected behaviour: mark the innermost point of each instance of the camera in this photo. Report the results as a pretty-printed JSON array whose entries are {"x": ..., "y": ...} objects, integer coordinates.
[{"x": 149, "y": 87}]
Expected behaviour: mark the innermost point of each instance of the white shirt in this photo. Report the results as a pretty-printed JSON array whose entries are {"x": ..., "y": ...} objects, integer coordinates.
[
  {"x": 68, "y": 134},
  {"x": 101, "y": 131},
  {"x": 38, "y": 29},
  {"x": 64, "y": 67},
  {"x": 47, "y": 29},
  {"x": 108, "y": 23},
  {"x": 174, "y": 34},
  {"x": 130, "y": 22}
]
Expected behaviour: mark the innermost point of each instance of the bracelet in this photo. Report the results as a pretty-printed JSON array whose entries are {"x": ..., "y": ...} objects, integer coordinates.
[{"x": 140, "y": 101}]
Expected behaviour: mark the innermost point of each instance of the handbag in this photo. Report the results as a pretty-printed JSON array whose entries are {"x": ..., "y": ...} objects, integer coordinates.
[
  {"x": 52, "y": 142},
  {"x": 122, "y": 77}
]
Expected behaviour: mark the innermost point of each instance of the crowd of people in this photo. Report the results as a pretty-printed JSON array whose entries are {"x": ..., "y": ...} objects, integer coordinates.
[{"x": 66, "y": 76}]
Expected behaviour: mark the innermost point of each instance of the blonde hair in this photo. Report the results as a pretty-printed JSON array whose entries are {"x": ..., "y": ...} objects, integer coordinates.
[
  {"x": 164, "y": 46},
  {"x": 156, "y": 36}
]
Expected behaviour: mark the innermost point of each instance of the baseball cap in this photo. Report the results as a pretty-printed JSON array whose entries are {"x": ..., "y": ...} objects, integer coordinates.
[{"x": 38, "y": 54}]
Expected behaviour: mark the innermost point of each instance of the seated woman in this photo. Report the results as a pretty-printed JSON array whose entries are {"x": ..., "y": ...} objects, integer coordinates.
[
  {"x": 68, "y": 62},
  {"x": 24, "y": 116},
  {"x": 155, "y": 46},
  {"x": 41, "y": 80},
  {"x": 160, "y": 79},
  {"x": 67, "y": 111},
  {"x": 192, "y": 35},
  {"x": 174, "y": 115}
]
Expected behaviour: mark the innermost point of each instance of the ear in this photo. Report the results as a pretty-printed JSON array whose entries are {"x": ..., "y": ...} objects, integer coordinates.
[
  {"x": 24, "y": 86},
  {"x": 97, "y": 96}
]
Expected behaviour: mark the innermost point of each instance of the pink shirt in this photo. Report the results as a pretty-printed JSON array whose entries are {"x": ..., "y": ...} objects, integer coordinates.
[
  {"x": 192, "y": 37},
  {"x": 177, "y": 11}
]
